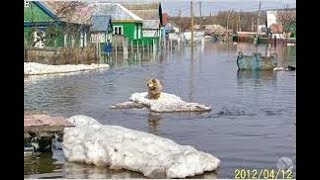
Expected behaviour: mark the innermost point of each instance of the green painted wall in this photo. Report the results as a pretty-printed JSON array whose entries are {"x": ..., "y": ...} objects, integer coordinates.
[
  {"x": 54, "y": 33},
  {"x": 54, "y": 36},
  {"x": 59, "y": 41},
  {"x": 26, "y": 35},
  {"x": 56, "y": 40},
  {"x": 149, "y": 40},
  {"x": 34, "y": 14},
  {"x": 129, "y": 30}
]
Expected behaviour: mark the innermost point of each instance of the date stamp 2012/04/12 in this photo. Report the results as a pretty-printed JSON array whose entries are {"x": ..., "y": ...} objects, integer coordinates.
[{"x": 263, "y": 174}]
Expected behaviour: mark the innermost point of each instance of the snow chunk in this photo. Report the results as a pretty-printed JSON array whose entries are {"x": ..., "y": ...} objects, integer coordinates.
[
  {"x": 166, "y": 103},
  {"x": 127, "y": 105},
  {"x": 121, "y": 148},
  {"x": 32, "y": 68},
  {"x": 278, "y": 69}
]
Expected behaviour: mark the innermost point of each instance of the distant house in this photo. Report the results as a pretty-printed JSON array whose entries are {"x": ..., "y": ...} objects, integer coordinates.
[
  {"x": 172, "y": 27},
  {"x": 262, "y": 29},
  {"x": 45, "y": 27},
  {"x": 75, "y": 18},
  {"x": 37, "y": 18},
  {"x": 277, "y": 28},
  {"x": 164, "y": 19},
  {"x": 151, "y": 15},
  {"x": 124, "y": 23},
  {"x": 271, "y": 18},
  {"x": 101, "y": 32},
  {"x": 214, "y": 29},
  {"x": 274, "y": 26},
  {"x": 150, "y": 32}
]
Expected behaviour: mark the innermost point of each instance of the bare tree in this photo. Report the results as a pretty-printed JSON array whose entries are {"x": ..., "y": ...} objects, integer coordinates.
[
  {"x": 286, "y": 18},
  {"x": 221, "y": 19},
  {"x": 69, "y": 12}
]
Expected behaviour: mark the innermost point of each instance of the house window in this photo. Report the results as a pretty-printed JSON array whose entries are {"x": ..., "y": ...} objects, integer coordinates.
[
  {"x": 26, "y": 4},
  {"x": 65, "y": 40},
  {"x": 72, "y": 41},
  {"x": 118, "y": 30},
  {"x": 81, "y": 39},
  {"x": 85, "y": 39},
  {"x": 39, "y": 36}
]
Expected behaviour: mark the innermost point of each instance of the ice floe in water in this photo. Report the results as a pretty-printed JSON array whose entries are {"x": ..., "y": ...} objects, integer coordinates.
[
  {"x": 32, "y": 68},
  {"x": 121, "y": 148},
  {"x": 166, "y": 103}
]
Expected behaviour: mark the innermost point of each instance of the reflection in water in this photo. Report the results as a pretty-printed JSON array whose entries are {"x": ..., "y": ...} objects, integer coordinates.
[
  {"x": 191, "y": 76},
  {"x": 251, "y": 121},
  {"x": 38, "y": 167},
  {"x": 154, "y": 121},
  {"x": 40, "y": 163},
  {"x": 118, "y": 59},
  {"x": 207, "y": 175},
  {"x": 247, "y": 78},
  {"x": 258, "y": 75},
  {"x": 83, "y": 171}
]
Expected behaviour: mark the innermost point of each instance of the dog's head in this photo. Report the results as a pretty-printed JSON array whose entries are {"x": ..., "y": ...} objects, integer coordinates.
[{"x": 152, "y": 83}]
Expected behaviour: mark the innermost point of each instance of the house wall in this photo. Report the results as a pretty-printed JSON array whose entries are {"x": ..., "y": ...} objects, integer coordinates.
[
  {"x": 149, "y": 36},
  {"x": 34, "y": 14},
  {"x": 57, "y": 41},
  {"x": 147, "y": 41},
  {"x": 105, "y": 40},
  {"x": 74, "y": 35},
  {"x": 150, "y": 33},
  {"x": 131, "y": 30},
  {"x": 134, "y": 33},
  {"x": 100, "y": 37}
]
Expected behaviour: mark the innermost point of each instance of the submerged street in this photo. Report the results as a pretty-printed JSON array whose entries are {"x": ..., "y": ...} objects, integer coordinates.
[{"x": 251, "y": 125}]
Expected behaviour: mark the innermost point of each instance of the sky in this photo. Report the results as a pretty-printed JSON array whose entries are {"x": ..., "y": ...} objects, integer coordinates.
[
  {"x": 213, "y": 6},
  {"x": 172, "y": 7}
]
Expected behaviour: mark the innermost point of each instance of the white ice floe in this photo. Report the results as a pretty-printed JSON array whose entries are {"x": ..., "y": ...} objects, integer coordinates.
[
  {"x": 32, "y": 68},
  {"x": 121, "y": 148},
  {"x": 166, "y": 103},
  {"x": 278, "y": 69},
  {"x": 287, "y": 68}
]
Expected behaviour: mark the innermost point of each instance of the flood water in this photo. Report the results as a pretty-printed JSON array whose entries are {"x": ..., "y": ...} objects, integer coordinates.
[{"x": 251, "y": 126}]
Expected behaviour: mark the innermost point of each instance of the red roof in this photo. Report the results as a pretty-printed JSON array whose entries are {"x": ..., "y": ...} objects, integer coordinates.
[{"x": 164, "y": 18}]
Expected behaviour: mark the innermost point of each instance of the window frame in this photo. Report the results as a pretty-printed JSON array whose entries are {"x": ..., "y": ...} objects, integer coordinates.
[
  {"x": 118, "y": 30},
  {"x": 26, "y": 4}
]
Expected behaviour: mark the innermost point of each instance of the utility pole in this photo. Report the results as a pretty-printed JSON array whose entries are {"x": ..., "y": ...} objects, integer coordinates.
[
  {"x": 232, "y": 21},
  {"x": 239, "y": 22},
  {"x": 192, "y": 25},
  {"x": 258, "y": 22},
  {"x": 180, "y": 23},
  {"x": 252, "y": 25},
  {"x": 227, "y": 25},
  {"x": 200, "y": 13},
  {"x": 200, "y": 9}
]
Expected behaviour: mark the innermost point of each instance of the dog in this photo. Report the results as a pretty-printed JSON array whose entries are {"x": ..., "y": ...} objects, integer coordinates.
[{"x": 154, "y": 88}]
